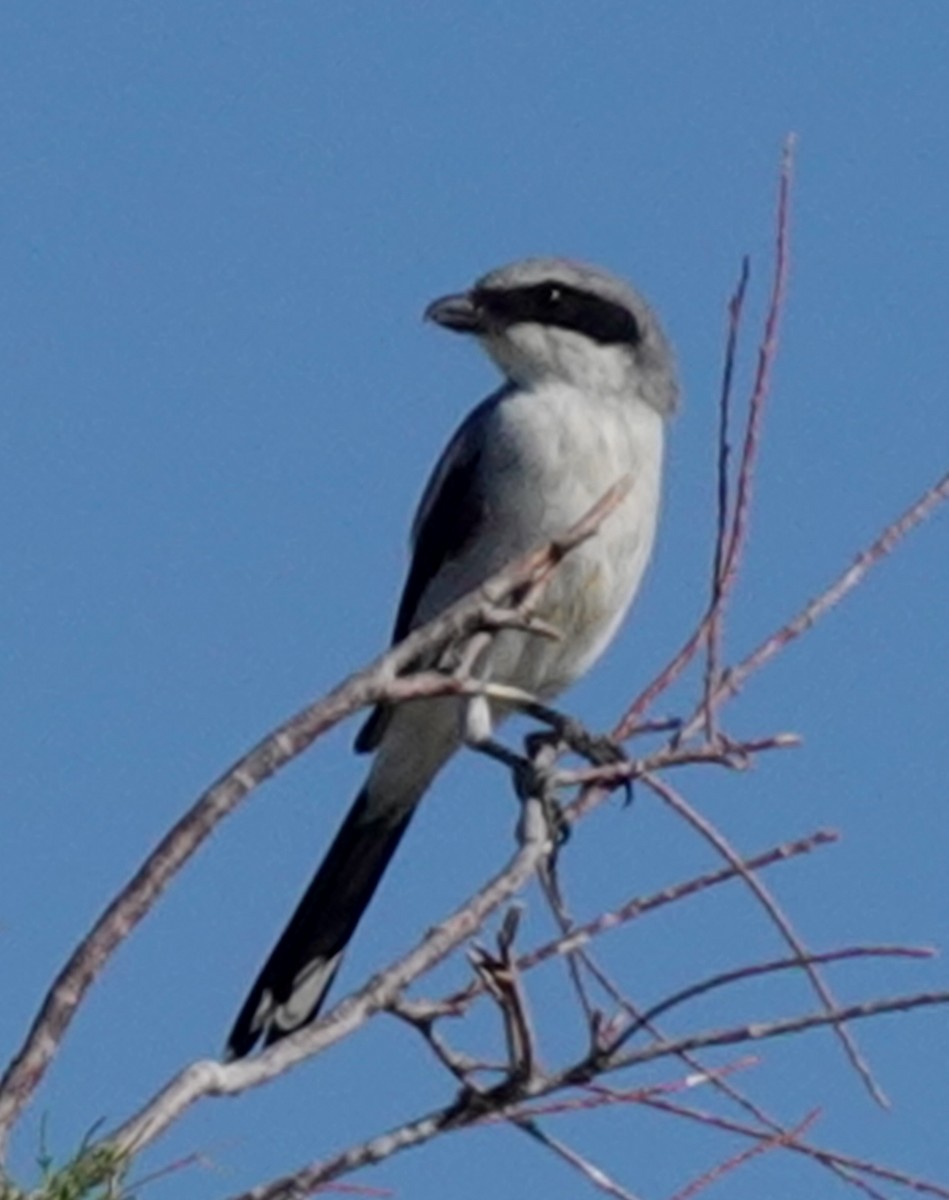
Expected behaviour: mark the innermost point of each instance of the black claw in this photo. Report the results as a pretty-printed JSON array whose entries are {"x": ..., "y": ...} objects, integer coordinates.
[
  {"x": 600, "y": 750},
  {"x": 539, "y": 740},
  {"x": 557, "y": 824}
]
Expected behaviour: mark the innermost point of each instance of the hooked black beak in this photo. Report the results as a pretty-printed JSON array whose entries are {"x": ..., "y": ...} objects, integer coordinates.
[{"x": 460, "y": 313}]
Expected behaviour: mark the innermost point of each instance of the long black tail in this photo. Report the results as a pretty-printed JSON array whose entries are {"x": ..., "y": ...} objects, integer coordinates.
[{"x": 296, "y": 977}]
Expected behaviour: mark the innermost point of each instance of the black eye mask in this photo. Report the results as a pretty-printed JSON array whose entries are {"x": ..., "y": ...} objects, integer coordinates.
[{"x": 567, "y": 307}]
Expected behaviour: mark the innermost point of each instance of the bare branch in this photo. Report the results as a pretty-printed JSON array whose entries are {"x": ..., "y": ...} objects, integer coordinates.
[
  {"x": 518, "y": 586},
  {"x": 764, "y": 1144},
  {"x": 778, "y": 918},
  {"x": 762, "y": 1030},
  {"x": 882, "y": 547},
  {"x": 216, "y": 1079},
  {"x": 501, "y": 979},
  {"x": 639, "y": 906},
  {"x": 503, "y": 1105},
  {"x": 723, "y": 499},
  {"x": 728, "y": 549},
  {"x": 754, "y": 970},
  {"x": 590, "y": 1171},
  {"x": 833, "y": 1158}
]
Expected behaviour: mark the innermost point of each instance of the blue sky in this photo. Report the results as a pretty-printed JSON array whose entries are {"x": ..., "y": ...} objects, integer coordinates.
[{"x": 219, "y": 225}]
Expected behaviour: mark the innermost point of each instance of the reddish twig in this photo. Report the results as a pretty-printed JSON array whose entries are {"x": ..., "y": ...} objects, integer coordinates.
[
  {"x": 729, "y": 547},
  {"x": 847, "y": 1162},
  {"x": 735, "y": 677},
  {"x": 679, "y": 805},
  {"x": 723, "y": 499},
  {"x": 880, "y": 548},
  {"x": 718, "y": 1079},
  {"x": 469, "y": 1112},
  {"x": 639, "y": 906},
  {"x": 595, "y": 1096},
  {"x": 764, "y": 1144},
  {"x": 767, "y": 353},
  {"x": 501, "y": 979}
]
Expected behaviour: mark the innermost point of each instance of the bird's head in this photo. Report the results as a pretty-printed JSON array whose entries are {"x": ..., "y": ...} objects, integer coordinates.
[{"x": 550, "y": 318}]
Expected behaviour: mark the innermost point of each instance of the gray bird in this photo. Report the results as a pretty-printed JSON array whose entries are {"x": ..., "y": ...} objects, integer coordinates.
[{"x": 589, "y": 380}]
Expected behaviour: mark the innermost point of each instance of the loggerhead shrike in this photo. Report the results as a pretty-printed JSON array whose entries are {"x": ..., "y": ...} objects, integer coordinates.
[{"x": 588, "y": 382}]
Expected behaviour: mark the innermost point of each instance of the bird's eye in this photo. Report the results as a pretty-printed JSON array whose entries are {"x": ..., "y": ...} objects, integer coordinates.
[{"x": 551, "y": 296}]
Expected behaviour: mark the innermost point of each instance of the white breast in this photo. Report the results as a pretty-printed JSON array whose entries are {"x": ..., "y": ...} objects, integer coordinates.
[{"x": 556, "y": 452}]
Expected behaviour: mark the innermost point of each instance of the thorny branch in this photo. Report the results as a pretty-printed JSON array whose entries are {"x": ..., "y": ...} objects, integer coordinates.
[{"x": 510, "y": 1091}]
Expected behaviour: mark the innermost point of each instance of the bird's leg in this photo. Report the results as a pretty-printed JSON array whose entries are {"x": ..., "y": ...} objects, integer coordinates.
[
  {"x": 534, "y": 777},
  {"x": 538, "y": 781},
  {"x": 567, "y": 733}
]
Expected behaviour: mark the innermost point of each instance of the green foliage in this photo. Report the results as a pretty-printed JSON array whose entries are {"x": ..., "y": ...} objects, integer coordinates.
[{"x": 94, "y": 1174}]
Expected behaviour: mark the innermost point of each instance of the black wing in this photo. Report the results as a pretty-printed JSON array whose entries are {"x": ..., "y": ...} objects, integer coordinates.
[{"x": 451, "y": 512}]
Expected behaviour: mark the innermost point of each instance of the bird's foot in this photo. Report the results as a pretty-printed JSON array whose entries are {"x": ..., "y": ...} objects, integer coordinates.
[{"x": 566, "y": 733}]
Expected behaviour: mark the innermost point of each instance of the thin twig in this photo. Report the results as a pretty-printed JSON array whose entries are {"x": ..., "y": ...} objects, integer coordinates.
[
  {"x": 762, "y": 1030},
  {"x": 717, "y": 1078},
  {"x": 590, "y": 1171},
  {"x": 307, "y": 1179},
  {"x": 569, "y": 942},
  {"x": 848, "y": 1162},
  {"x": 778, "y": 918},
  {"x": 736, "y": 756},
  {"x": 767, "y": 352},
  {"x": 738, "y": 533},
  {"x": 723, "y": 497},
  {"x": 754, "y": 970},
  {"x": 502, "y": 980},
  {"x": 765, "y": 1143},
  {"x": 881, "y": 548},
  {"x": 639, "y": 906},
  {"x": 728, "y": 557}
]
